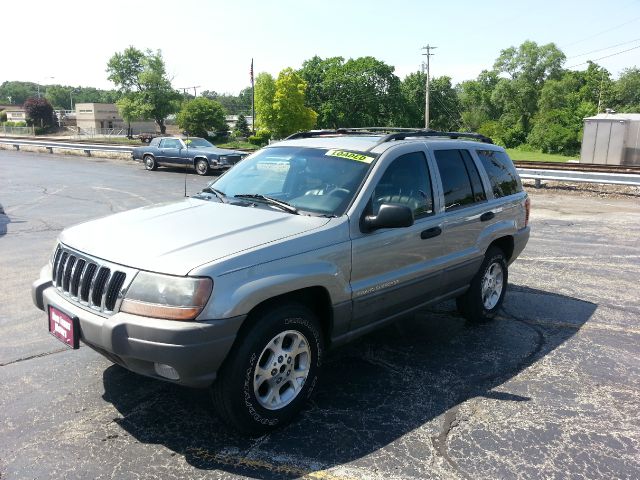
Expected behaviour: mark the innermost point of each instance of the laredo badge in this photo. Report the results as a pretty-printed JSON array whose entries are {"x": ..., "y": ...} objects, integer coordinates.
[{"x": 358, "y": 157}]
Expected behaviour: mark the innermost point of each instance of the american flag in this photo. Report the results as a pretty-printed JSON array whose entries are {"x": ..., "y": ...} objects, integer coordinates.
[{"x": 251, "y": 71}]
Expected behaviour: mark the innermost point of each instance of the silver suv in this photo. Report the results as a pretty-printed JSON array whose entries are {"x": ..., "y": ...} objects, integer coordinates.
[{"x": 302, "y": 246}]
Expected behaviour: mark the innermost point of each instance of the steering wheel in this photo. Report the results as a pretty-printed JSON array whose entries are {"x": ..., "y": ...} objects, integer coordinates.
[{"x": 338, "y": 191}]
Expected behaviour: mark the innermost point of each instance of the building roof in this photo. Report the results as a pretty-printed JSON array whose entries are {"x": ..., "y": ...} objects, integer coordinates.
[{"x": 615, "y": 116}]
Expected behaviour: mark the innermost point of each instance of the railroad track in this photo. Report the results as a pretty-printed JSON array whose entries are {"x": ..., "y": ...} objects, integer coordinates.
[{"x": 578, "y": 167}]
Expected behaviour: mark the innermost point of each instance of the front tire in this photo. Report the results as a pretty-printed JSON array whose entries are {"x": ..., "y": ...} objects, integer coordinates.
[
  {"x": 271, "y": 370},
  {"x": 488, "y": 287},
  {"x": 150, "y": 163},
  {"x": 202, "y": 167}
]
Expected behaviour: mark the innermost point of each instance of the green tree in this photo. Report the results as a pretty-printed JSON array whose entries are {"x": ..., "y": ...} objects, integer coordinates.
[
  {"x": 627, "y": 90},
  {"x": 59, "y": 96},
  {"x": 475, "y": 100},
  {"x": 289, "y": 111},
  {"x": 16, "y": 93},
  {"x": 142, "y": 77},
  {"x": 200, "y": 116},
  {"x": 360, "y": 92},
  {"x": 242, "y": 127},
  {"x": 528, "y": 67},
  {"x": 265, "y": 86},
  {"x": 444, "y": 103},
  {"x": 315, "y": 72}
]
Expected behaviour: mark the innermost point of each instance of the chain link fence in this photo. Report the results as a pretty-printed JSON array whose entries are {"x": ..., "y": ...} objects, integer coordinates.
[{"x": 6, "y": 131}]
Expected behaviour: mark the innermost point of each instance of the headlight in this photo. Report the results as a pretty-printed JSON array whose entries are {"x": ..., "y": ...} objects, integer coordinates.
[{"x": 163, "y": 296}]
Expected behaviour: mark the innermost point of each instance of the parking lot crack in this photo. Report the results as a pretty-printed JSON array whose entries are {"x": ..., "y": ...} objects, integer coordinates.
[
  {"x": 31, "y": 357},
  {"x": 440, "y": 441}
]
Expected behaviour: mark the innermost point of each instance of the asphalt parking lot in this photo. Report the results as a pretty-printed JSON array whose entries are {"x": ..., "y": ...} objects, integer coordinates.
[{"x": 551, "y": 389}]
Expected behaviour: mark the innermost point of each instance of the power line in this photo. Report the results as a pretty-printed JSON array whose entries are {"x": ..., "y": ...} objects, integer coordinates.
[
  {"x": 602, "y": 32},
  {"x": 605, "y": 48},
  {"x": 606, "y": 56}
]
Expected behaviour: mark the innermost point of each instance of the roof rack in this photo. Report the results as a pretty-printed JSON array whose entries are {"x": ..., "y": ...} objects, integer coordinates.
[
  {"x": 394, "y": 134},
  {"x": 349, "y": 131},
  {"x": 431, "y": 133}
]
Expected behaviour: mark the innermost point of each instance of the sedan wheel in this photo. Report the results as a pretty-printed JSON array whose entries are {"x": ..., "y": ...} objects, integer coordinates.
[
  {"x": 202, "y": 167},
  {"x": 150, "y": 162}
]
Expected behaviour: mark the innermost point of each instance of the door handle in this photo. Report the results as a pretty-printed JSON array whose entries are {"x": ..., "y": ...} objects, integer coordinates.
[
  {"x": 430, "y": 233},
  {"x": 487, "y": 216}
]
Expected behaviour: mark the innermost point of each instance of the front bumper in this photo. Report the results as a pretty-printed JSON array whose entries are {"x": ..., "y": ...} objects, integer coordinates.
[{"x": 195, "y": 350}]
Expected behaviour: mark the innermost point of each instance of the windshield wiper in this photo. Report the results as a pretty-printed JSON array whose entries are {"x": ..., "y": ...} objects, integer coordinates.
[
  {"x": 279, "y": 203},
  {"x": 219, "y": 195}
]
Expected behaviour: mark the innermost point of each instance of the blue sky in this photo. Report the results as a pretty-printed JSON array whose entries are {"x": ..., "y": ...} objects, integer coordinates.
[{"x": 210, "y": 43}]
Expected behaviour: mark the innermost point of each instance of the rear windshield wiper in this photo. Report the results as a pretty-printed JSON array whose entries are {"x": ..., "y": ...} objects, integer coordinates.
[
  {"x": 219, "y": 195},
  {"x": 279, "y": 203}
]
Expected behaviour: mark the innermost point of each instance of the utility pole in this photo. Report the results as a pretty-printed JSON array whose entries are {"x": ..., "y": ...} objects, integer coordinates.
[
  {"x": 184, "y": 90},
  {"x": 428, "y": 48}
]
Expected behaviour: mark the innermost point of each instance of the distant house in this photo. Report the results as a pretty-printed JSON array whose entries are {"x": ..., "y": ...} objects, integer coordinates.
[
  {"x": 99, "y": 116},
  {"x": 15, "y": 113}
]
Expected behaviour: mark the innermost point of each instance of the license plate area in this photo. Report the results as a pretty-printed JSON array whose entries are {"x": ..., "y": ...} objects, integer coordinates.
[{"x": 64, "y": 327}]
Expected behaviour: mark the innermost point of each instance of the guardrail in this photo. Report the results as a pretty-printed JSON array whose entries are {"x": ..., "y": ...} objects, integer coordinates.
[
  {"x": 575, "y": 176},
  {"x": 50, "y": 145},
  {"x": 569, "y": 176}
]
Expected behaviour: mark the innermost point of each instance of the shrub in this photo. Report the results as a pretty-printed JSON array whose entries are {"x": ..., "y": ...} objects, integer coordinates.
[{"x": 260, "y": 138}]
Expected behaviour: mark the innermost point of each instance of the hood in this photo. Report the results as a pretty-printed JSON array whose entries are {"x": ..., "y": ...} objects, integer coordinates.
[
  {"x": 216, "y": 151},
  {"x": 174, "y": 238}
]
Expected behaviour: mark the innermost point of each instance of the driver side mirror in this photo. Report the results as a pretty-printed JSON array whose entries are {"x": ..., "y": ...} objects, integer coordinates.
[{"x": 389, "y": 215}]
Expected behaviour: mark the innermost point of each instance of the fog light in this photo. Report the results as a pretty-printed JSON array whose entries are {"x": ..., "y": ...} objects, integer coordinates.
[{"x": 166, "y": 371}]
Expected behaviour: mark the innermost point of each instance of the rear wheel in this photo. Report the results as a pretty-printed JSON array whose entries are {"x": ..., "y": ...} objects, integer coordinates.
[
  {"x": 486, "y": 293},
  {"x": 202, "y": 167},
  {"x": 271, "y": 371},
  {"x": 150, "y": 162}
]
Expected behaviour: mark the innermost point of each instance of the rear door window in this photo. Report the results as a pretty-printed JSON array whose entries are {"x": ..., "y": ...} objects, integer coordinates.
[
  {"x": 502, "y": 174},
  {"x": 461, "y": 182}
]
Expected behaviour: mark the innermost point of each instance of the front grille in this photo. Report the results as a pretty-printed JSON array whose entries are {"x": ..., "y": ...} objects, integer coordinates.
[
  {"x": 89, "y": 282},
  {"x": 233, "y": 159}
]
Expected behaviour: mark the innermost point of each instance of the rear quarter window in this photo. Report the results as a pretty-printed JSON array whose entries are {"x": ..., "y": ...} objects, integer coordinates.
[{"x": 501, "y": 171}]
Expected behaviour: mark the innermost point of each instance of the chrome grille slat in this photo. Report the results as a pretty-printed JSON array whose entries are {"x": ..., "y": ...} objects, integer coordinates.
[
  {"x": 98, "y": 286},
  {"x": 89, "y": 282},
  {"x": 75, "y": 277},
  {"x": 105, "y": 288},
  {"x": 56, "y": 260},
  {"x": 86, "y": 281},
  {"x": 68, "y": 268},
  {"x": 113, "y": 290},
  {"x": 60, "y": 272}
]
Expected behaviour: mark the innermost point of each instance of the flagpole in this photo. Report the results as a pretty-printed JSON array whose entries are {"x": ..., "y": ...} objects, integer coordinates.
[{"x": 253, "y": 102}]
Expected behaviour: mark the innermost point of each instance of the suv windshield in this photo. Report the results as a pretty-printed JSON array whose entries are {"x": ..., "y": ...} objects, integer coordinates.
[
  {"x": 310, "y": 179},
  {"x": 197, "y": 143}
]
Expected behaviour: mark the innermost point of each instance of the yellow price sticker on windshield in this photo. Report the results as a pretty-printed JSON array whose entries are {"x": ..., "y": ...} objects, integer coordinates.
[{"x": 358, "y": 157}]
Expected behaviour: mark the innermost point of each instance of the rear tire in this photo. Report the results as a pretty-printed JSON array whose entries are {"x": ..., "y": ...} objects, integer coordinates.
[
  {"x": 150, "y": 163},
  {"x": 271, "y": 370},
  {"x": 485, "y": 295}
]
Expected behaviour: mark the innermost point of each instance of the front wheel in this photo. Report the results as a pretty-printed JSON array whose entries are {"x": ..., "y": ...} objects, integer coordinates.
[
  {"x": 488, "y": 287},
  {"x": 202, "y": 167},
  {"x": 271, "y": 370}
]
